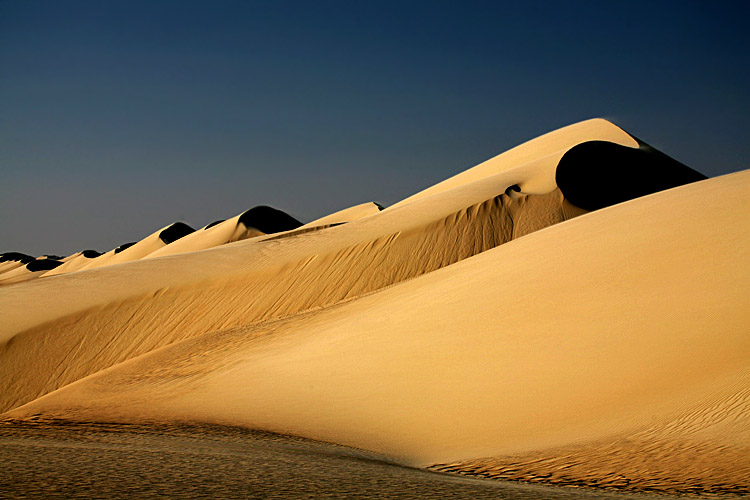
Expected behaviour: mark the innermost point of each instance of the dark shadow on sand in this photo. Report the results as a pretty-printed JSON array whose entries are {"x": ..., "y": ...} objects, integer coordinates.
[
  {"x": 598, "y": 174},
  {"x": 42, "y": 265},
  {"x": 16, "y": 257},
  {"x": 175, "y": 232},
  {"x": 268, "y": 220}
]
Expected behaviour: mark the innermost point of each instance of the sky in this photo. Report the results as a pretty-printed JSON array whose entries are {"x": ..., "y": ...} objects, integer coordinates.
[{"x": 120, "y": 117}]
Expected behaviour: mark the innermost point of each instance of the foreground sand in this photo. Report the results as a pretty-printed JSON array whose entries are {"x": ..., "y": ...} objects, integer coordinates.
[
  {"x": 106, "y": 462},
  {"x": 477, "y": 327}
]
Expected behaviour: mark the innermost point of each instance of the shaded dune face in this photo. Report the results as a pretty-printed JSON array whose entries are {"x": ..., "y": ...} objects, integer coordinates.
[
  {"x": 175, "y": 232},
  {"x": 268, "y": 220},
  {"x": 125, "y": 246},
  {"x": 16, "y": 257},
  {"x": 43, "y": 265},
  {"x": 598, "y": 174},
  {"x": 214, "y": 223},
  {"x": 90, "y": 254}
]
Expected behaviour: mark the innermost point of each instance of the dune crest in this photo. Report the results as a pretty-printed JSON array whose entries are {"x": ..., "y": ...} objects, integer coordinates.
[
  {"x": 243, "y": 284},
  {"x": 549, "y": 147},
  {"x": 346, "y": 215},
  {"x": 257, "y": 221}
]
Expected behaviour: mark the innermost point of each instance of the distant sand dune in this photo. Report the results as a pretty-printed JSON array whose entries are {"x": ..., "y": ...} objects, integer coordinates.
[
  {"x": 134, "y": 251},
  {"x": 255, "y": 222},
  {"x": 74, "y": 262}
]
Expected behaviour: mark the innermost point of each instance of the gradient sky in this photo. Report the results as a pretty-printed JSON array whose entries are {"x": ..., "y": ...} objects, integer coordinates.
[{"x": 119, "y": 117}]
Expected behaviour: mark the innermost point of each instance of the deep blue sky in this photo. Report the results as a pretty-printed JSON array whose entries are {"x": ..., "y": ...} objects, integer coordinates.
[{"x": 119, "y": 117}]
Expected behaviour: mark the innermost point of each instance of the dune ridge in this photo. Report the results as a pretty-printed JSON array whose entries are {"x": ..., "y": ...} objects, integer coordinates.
[
  {"x": 251, "y": 223},
  {"x": 325, "y": 267},
  {"x": 346, "y": 215},
  {"x": 128, "y": 326}
]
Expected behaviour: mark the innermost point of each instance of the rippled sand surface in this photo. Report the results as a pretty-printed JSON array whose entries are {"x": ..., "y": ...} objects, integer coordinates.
[{"x": 64, "y": 460}]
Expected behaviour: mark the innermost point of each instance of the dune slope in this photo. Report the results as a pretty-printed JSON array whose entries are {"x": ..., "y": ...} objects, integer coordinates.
[
  {"x": 116, "y": 312},
  {"x": 112, "y": 313}
]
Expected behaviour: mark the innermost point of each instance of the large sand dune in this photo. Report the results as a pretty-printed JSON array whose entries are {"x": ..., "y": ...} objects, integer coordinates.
[{"x": 476, "y": 326}]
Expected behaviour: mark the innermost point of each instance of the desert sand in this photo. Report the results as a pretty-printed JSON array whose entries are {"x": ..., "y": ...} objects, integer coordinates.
[{"x": 573, "y": 311}]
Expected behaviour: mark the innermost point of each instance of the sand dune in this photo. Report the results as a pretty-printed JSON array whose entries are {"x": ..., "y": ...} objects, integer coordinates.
[
  {"x": 173, "y": 239},
  {"x": 25, "y": 268},
  {"x": 487, "y": 325},
  {"x": 151, "y": 303},
  {"x": 129, "y": 252},
  {"x": 538, "y": 153},
  {"x": 515, "y": 351},
  {"x": 241, "y": 227},
  {"x": 12, "y": 260},
  {"x": 19, "y": 274},
  {"x": 74, "y": 262}
]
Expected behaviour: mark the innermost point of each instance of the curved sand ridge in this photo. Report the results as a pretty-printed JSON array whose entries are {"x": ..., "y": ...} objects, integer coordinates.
[
  {"x": 74, "y": 262},
  {"x": 489, "y": 357},
  {"x": 119, "y": 312},
  {"x": 133, "y": 251},
  {"x": 13, "y": 260},
  {"x": 346, "y": 215},
  {"x": 124, "y": 312},
  {"x": 536, "y": 157},
  {"x": 257, "y": 221},
  {"x": 17, "y": 267}
]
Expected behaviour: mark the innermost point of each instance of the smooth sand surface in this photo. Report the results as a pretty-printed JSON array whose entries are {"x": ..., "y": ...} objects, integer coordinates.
[{"x": 486, "y": 327}]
